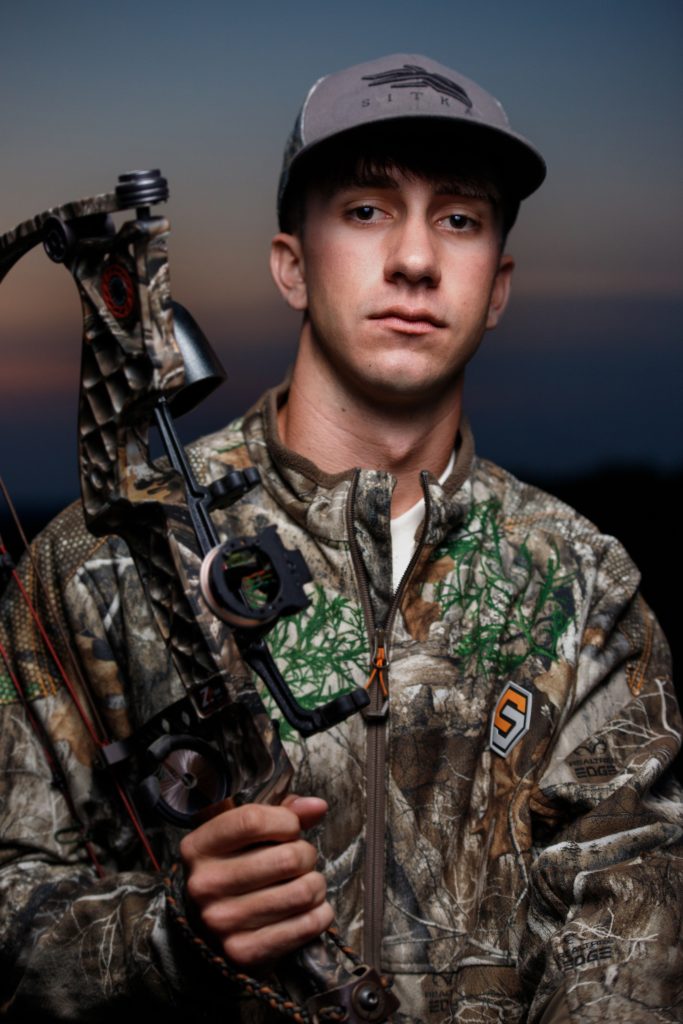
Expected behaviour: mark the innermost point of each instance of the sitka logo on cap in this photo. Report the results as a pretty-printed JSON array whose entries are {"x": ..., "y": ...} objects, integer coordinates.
[
  {"x": 511, "y": 718},
  {"x": 412, "y": 76}
]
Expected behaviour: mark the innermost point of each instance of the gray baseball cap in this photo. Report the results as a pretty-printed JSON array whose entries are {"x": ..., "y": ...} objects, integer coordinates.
[{"x": 407, "y": 86}]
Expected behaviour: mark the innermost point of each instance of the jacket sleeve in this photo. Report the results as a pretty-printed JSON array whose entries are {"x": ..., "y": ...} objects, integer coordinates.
[
  {"x": 605, "y": 922},
  {"x": 73, "y": 945}
]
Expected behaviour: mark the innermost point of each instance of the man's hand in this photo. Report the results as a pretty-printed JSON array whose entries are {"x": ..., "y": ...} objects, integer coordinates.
[{"x": 252, "y": 881}]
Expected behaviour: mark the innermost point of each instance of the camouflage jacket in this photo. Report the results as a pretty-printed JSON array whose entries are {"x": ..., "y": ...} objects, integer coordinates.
[{"x": 504, "y": 838}]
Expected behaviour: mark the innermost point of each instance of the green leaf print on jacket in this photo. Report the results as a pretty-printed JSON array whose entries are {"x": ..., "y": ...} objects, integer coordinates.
[
  {"x": 318, "y": 650},
  {"x": 514, "y": 603}
]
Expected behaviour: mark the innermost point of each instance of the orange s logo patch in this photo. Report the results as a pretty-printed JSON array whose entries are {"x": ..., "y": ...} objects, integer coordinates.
[{"x": 511, "y": 718}]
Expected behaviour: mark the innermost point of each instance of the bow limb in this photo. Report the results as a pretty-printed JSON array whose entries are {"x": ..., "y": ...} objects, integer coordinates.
[{"x": 15, "y": 243}]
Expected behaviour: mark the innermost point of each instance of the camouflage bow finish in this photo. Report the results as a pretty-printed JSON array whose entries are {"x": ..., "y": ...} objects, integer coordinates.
[{"x": 132, "y": 370}]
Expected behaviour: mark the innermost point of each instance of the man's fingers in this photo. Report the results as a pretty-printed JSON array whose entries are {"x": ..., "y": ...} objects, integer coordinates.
[
  {"x": 251, "y": 879},
  {"x": 240, "y": 828},
  {"x": 251, "y": 948},
  {"x": 251, "y": 871},
  {"x": 254, "y": 910},
  {"x": 308, "y": 809}
]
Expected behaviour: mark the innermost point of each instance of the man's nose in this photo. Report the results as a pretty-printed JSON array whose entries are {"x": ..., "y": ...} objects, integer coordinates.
[{"x": 412, "y": 254}]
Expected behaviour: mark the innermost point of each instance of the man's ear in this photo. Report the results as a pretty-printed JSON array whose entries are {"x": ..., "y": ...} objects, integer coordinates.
[
  {"x": 287, "y": 268},
  {"x": 500, "y": 293}
]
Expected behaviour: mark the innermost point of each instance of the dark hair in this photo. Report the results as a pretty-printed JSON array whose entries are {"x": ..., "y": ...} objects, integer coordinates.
[{"x": 373, "y": 153}]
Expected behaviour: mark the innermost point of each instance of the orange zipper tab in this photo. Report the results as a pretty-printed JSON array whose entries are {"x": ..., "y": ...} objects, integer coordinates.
[{"x": 379, "y": 666}]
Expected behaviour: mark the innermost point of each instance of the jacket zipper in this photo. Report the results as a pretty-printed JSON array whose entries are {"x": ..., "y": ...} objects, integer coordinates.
[{"x": 376, "y": 720}]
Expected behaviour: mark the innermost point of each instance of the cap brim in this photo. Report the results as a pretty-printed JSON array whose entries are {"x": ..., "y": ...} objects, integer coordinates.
[{"x": 520, "y": 169}]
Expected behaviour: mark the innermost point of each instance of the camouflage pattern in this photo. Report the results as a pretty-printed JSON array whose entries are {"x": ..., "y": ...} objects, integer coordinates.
[{"x": 551, "y": 873}]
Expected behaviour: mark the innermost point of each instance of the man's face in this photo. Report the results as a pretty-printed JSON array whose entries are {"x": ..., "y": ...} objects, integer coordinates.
[{"x": 399, "y": 280}]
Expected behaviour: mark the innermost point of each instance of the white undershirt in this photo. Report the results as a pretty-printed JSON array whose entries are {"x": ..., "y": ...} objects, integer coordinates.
[{"x": 404, "y": 528}]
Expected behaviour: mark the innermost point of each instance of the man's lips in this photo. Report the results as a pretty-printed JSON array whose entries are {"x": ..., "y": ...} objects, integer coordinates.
[{"x": 409, "y": 321}]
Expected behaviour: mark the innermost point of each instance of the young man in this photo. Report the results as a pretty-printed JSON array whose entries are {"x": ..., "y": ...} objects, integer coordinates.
[{"x": 497, "y": 830}]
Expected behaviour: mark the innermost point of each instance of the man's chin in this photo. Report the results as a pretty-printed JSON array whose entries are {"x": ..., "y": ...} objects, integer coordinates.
[{"x": 406, "y": 391}]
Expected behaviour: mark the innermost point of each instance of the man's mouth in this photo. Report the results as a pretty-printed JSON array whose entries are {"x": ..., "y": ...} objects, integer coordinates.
[{"x": 408, "y": 320}]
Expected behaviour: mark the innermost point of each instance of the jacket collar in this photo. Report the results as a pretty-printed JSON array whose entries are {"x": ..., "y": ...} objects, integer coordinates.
[{"x": 318, "y": 500}]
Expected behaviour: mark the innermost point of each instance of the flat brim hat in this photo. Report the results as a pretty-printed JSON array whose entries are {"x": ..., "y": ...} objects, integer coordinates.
[{"x": 407, "y": 86}]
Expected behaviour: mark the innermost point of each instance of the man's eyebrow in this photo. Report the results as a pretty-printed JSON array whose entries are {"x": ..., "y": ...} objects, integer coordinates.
[
  {"x": 370, "y": 179},
  {"x": 467, "y": 188}
]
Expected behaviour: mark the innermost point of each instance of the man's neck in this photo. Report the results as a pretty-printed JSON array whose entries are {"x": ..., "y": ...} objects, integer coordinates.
[{"x": 337, "y": 429}]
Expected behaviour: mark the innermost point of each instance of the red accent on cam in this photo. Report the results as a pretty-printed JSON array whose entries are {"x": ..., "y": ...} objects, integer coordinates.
[{"x": 121, "y": 310}]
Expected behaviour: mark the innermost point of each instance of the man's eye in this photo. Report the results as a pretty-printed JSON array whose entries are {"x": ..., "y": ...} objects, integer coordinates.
[
  {"x": 459, "y": 221},
  {"x": 364, "y": 213}
]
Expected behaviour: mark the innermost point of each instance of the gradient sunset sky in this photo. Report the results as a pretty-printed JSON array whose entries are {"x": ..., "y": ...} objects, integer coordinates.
[{"x": 588, "y": 366}]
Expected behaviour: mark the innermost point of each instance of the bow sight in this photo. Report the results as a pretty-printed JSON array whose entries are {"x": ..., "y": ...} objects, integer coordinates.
[{"x": 145, "y": 361}]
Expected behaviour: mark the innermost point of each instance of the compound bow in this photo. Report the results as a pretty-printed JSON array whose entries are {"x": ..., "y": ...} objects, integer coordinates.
[{"x": 145, "y": 360}]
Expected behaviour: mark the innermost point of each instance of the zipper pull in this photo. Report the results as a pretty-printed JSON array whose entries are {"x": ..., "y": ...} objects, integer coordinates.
[{"x": 379, "y": 676}]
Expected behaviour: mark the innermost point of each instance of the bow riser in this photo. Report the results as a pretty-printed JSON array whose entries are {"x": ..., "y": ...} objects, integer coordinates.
[
  {"x": 129, "y": 362},
  {"x": 130, "y": 359}
]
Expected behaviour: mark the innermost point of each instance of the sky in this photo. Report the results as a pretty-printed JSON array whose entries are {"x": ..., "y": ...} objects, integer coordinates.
[{"x": 587, "y": 367}]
